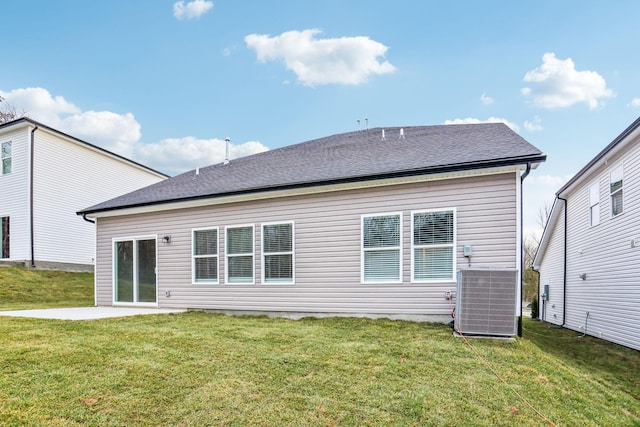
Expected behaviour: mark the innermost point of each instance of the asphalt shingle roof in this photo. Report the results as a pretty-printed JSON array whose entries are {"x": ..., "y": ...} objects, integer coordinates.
[{"x": 353, "y": 156}]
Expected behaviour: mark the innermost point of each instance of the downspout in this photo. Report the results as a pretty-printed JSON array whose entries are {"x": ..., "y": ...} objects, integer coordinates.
[
  {"x": 522, "y": 177},
  {"x": 564, "y": 278},
  {"x": 33, "y": 257},
  {"x": 95, "y": 280}
]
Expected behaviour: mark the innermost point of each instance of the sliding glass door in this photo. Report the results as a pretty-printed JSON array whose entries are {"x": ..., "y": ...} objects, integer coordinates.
[{"x": 134, "y": 270}]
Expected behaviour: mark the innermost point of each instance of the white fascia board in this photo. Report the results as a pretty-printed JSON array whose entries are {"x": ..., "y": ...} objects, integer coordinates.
[
  {"x": 604, "y": 159},
  {"x": 556, "y": 210}
]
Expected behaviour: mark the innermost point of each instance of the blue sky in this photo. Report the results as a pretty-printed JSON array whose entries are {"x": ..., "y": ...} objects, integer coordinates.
[{"x": 164, "y": 82}]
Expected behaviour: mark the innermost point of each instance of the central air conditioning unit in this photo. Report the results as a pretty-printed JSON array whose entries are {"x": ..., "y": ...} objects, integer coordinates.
[{"x": 486, "y": 301}]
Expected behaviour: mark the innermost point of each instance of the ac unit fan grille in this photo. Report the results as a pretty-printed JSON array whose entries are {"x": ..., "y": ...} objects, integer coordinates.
[{"x": 486, "y": 301}]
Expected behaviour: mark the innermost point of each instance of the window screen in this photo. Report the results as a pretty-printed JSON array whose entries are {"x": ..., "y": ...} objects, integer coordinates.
[
  {"x": 240, "y": 254},
  {"x": 433, "y": 241},
  {"x": 277, "y": 249},
  {"x": 381, "y": 237},
  {"x": 205, "y": 256}
]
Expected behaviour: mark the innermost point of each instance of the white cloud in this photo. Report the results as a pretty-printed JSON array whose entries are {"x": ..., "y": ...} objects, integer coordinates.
[
  {"x": 471, "y": 120},
  {"x": 345, "y": 60},
  {"x": 635, "y": 102},
  {"x": 176, "y": 155},
  {"x": 121, "y": 133},
  {"x": 191, "y": 10},
  {"x": 111, "y": 131},
  {"x": 486, "y": 100},
  {"x": 533, "y": 126},
  {"x": 39, "y": 104},
  {"x": 557, "y": 84}
]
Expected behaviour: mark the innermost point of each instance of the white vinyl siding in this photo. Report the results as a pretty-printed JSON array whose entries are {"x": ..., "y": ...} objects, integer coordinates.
[
  {"x": 552, "y": 274},
  {"x": 608, "y": 255},
  {"x": 433, "y": 240},
  {"x": 6, "y": 158},
  {"x": 70, "y": 176},
  {"x": 205, "y": 256},
  {"x": 240, "y": 254},
  {"x": 15, "y": 193},
  {"x": 615, "y": 187},
  {"x": 382, "y": 248},
  {"x": 594, "y": 204},
  {"x": 278, "y": 250}
]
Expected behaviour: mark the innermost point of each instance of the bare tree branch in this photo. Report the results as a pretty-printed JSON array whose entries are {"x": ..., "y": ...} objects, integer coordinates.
[
  {"x": 8, "y": 112},
  {"x": 543, "y": 215}
]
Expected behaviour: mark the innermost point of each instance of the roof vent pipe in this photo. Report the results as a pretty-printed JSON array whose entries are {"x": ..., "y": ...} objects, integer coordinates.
[
  {"x": 226, "y": 150},
  {"x": 401, "y": 133},
  {"x": 383, "y": 138},
  {"x": 366, "y": 121},
  {"x": 358, "y": 121}
]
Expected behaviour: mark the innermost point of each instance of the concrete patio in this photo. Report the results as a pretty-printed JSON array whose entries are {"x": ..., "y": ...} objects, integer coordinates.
[{"x": 87, "y": 313}]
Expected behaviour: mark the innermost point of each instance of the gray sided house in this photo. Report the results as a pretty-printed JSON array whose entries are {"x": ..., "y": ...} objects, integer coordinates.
[
  {"x": 371, "y": 222},
  {"x": 589, "y": 255}
]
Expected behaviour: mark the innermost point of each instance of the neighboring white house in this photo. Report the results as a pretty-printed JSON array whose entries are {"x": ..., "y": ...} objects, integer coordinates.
[
  {"x": 46, "y": 177},
  {"x": 366, "y": 222},
  {"x": 589, "y": 255}
]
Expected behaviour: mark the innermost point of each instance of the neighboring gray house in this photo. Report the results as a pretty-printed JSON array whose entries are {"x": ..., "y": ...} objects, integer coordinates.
[
  {"x": 589, "y": 255},
  {"x": 46, "y": 176},
  {"x": 368, "y": 222}
]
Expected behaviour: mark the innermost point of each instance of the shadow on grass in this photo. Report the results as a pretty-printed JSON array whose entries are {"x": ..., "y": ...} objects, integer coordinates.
[{"x": 585, "y": 353}]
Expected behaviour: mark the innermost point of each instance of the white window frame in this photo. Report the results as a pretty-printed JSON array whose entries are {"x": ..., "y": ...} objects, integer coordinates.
[
  {"x": 194, "y": 279},
  {"x": 363, "y": 250},
  {"x": 3, "y": 158},
  {"x": 252, "y": 254},
  {"x": 594, "y": 204},
  {"x": 114, "y": 272},
  {"x": 452, "y": 245},
  {"x": 618, "y": 170},
  {"x": 292, "y": 253}
]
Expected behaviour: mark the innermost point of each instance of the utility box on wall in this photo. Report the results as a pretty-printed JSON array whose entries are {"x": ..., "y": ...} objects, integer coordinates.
[{"x": 486, "y": 301}]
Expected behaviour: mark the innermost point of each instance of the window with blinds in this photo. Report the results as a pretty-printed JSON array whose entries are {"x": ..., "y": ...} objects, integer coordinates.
[
  {"x": 277, "y": 253},
  {"x": 615, "y": 188},
  {"x": 239, "y": 254},
  {"x": 381, "y": 248},
  {"x": 205, "y": 255},
  {"x": 433, "y": 246}
]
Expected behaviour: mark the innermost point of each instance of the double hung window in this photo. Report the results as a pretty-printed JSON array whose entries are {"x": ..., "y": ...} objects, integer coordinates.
[
  {"x": 239, "y": 254},
  {"x": 433, "y": 245},
  {"x": 277, "y": 253},
  {"x": 381, "y": 248},
  {"x": 205, "y": 255},
  {"x": 615, "y": 188},
  {"x": 6, "y": 157}
]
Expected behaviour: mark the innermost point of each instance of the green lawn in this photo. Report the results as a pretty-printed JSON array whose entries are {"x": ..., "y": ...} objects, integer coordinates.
[
  {"x": 22, "y": 288},
  {"x": 210, "y": 369}
]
